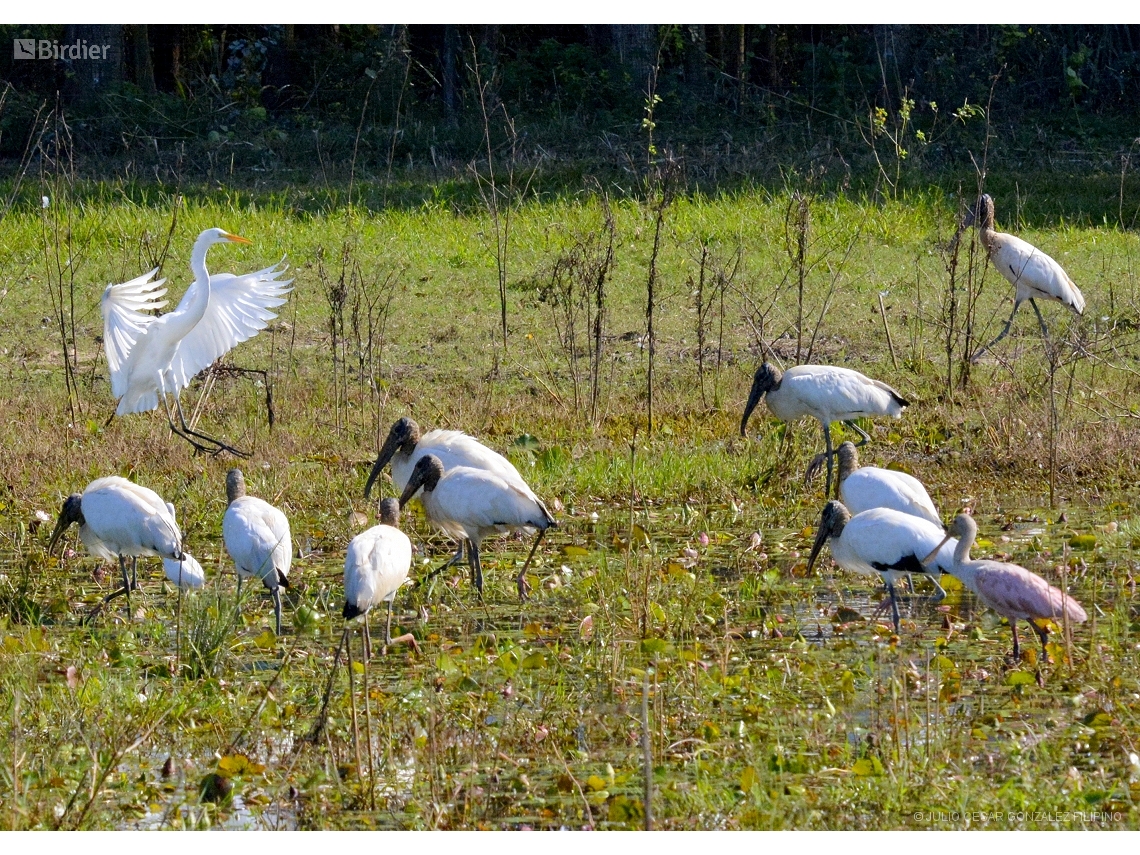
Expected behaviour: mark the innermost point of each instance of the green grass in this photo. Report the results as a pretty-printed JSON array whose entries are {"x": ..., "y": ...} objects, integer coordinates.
[{"x": 769, "y": 706}]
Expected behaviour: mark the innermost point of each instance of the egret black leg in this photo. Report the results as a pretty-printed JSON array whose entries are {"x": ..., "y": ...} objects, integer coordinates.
[
  {"x": 367, "y": 634},
  {"x": 521, "y": 580},
  {"x": 126, "y": 581},
  {"x": 455, "y": 559},
  {"x": 1016, "y": 646},
  {"x": 894, "y": 606},
  {"x": 237, "y": 606},
  {"x": 1004, "y": 332},
  {"x": 197, "y": 438},
  {"x": 135, "y": 572},
  {"x": 476, "y": 566},
  {"x": 830, "y": 462},
  {"x": 866, "y": 437}
]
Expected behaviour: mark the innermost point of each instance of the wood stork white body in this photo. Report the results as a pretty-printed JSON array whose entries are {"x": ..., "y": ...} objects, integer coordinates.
[
  {"x": 151, "y": 357},
  {"x": 469, "y": 504},
  {"x": 187, "y": 574},
  {"x": 884, "y": 542},
  {"x": 1009, "y": 589},
  {"x": 827, "y": 393},
  {"x": 1032, "y": 273},
  {"x": 257, "y": 538},
  {"x": 375, "y": 567},
  {"x": 119, "y": 519},
  {"x": 406, "y": 445}
]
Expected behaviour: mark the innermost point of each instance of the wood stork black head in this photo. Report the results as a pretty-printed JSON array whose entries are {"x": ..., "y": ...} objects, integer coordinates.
[
  {"x": 767, "y": 379},
  {"x": 71, "y": 512},
  {"x": 831, "y": 524},
  {"x": 235, "y": 486},
  {"x": 390, "y": 512},
  {"x": 848, "y": 459},
  {"x": 427, "y": 472},
  {"x": 403, "y": 437},
  {"x": 983, "y": 215}
]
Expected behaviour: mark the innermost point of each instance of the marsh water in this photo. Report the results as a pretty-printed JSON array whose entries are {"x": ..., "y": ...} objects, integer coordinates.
[{"x": 773, "y": 698}]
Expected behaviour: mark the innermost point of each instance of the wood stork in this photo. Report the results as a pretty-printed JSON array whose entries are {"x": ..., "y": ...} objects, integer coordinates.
[
  {"x": 882, "y": 541},
  {"x": 824, "y": 392},
  {"x": 406, "y": 444},
  {"x": 864, "y": 487},
  {"x": 375, "y": 567},
  {"x": 470, "y": 504},
  {"x": 1033, "y": 273},
  {"x": 1012, "y": 591},
  {"x": 257, "y": 537},
  {"x": 119, "y": 519},
  {"x": 151, "y": 357}
]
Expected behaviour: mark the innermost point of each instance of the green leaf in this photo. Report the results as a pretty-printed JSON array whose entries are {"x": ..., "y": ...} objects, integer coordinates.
[
  {"x": 534, "y": 660},
  {"x": 1019, "y": 678},
  {"x": 266, "y": 641},
  {"x": 572, "y": 551},
  {"x": 1082, "y": 541}
]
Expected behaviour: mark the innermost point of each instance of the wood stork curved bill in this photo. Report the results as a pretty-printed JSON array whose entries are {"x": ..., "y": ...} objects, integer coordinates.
[
  {"x": 470, "y": 504},
  {"x": 881, "y": 541},
  {"x": 150, "y": 357},
  {"x": 1009, "y": 589},
  {"x": 1032, "y": 273},
  {"x": 406, "y": 444},
  {"x": 119, "y": 519},
  {"x": 375, "y": 567},
  {"x": 827, "y": 393},
  {"x": 257, "y": 538}
]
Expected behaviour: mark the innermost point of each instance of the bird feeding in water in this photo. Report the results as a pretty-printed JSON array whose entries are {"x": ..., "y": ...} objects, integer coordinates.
[
  {"x": 257, "y": 538},
  {"x": 824, "y": 392},
  {"x": 375, "y": 567},
  {"x": 119, "y": 519},
  {"x": 1010, "y": 590},
  {"x": 406, "y": 444},
  {"x": 881, "y": 541},
  {"x": 150, "y": 357},
  {"x": 1032, "y": 273},
  {"x": 470, "y": 504}
]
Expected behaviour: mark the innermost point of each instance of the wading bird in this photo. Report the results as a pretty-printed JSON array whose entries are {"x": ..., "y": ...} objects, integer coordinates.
[
  {"x": 1033, "y": 273},
  {"x": 824, "y": 392},
  {"x": 405, "y": 446},
  {"x": 375, "y": 567},
  {"x": 864, "y": 487},
  {"x": 881, "y": 541},
  {"x": 119, "y": 519},
  {"x": 1011, "y": 591},
  {"x": 470, "y": 504},
  {"x": 257, "y": 538},
  {"x": 151, "y": 357}
]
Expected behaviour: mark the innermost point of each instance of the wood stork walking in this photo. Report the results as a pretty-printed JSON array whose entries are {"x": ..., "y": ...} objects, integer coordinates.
[
  {"x": 881, "y": 541},
  {"x": 375, "y": 567},
  {"x": 864, "y": 487},
  {"x": 151, "y": 357},
  {"x": 824, "y": 392},
  {"x": 470, "y": 504},
  {"x": 119, "y": 519},
  {"x": 1033, "y": 273},
  {"x": 406, "y": 444},
  {"x": 1010, "y": 590},
  {"x": 257, "y": 537}
]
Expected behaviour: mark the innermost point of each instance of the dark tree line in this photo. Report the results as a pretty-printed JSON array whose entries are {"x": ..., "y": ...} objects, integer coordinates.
[{"x": 405, "y": 91}]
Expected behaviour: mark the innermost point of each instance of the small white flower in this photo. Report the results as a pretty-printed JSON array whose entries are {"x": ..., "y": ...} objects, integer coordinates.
[{"x": 45, "y": 202}]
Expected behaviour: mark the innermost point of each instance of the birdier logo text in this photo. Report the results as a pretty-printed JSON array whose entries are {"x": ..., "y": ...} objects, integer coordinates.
[{"x": 51, "y": 49}]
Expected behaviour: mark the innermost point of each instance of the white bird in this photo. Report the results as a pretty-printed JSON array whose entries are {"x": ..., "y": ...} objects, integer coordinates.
[
  {"x": 881, "y": 541},
  {"x": 151, "y": 357},
  {"x": 375, "y": 567},
  {"x": 469, "y": 504},
  {"x": 257, "y": 538},
  {"x": 824, "y": 392},
  {"x": 119, "y": 519},
  {"x": 864, "y": 487},
  {"x": 405, "y": 446},
  {"x": 1033, "y": 273},
  {"x": 1011, "y": 591}
]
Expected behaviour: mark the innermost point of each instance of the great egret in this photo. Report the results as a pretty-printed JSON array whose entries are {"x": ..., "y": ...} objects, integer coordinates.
[
  {"x": 470, "y": 504},
  {"x": 1032, "y": 272},
  {"x": 151, "y": 357},
  {"x": 1011, "y": 591},
  {"x": 881, "y": 541},
  {"x": 375, "y": 567},
  {"x": 405, "y": 446},
  {"x": 257, "y": 538},
  {"x": 824, "y": 392},
  {"x": 119, "y": 519}
]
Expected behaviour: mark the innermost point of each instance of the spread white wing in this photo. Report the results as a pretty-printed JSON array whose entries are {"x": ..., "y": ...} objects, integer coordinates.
[
  {"x": 123, "y": 321},
  {"x": 238, "y": 310}
]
